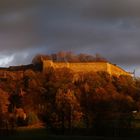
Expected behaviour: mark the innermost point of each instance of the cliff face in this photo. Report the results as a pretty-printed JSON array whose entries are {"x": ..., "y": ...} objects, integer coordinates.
[{"x": 86, "y": 67}]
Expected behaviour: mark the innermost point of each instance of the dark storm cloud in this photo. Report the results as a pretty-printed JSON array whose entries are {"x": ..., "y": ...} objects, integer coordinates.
[
  {"x": 113, "y": 8},
  {"x": 108, "y": 27}
]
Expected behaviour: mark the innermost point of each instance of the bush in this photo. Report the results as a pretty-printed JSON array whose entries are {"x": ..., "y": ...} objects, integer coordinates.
[{"x": 32, "y": 118}]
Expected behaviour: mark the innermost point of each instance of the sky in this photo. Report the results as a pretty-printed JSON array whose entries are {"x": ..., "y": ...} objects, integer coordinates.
[{"x": 108, "y": 27}]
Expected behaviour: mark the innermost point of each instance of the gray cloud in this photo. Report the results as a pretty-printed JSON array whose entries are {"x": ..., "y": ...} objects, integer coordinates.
[
  {"x": 113, "y": 8},
  {"x": 108, "y": 27}
]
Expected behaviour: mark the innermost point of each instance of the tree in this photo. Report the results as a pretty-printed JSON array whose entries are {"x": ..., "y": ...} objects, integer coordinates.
[
  {"x": 4, "y": 101},
  {"x": 63, "y": 56},
  {"x": 68, "y": 108}
]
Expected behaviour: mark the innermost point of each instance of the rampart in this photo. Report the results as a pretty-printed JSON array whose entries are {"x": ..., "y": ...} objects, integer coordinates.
[{"x": 86, "y": 67}]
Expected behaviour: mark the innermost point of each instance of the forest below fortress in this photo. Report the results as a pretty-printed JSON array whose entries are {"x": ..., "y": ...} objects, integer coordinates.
[{"x": 59, "y": 101}]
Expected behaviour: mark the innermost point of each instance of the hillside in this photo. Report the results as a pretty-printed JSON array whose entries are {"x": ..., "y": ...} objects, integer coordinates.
[{"x": 62, "y": 100}]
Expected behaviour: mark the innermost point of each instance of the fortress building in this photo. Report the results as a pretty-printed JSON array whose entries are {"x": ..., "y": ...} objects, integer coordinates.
[
  {"x": 15, "y": 72},
  {"x": 86, "y": 67}
]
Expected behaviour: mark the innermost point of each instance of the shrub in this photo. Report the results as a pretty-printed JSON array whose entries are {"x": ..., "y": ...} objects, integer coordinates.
[{"x": 32, "y": 118}]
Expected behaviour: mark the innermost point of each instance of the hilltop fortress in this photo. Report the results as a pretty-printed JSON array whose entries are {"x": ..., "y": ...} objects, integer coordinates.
[
  {"x": 14, "y": 72},
  {"x": 86, "y": 67}
]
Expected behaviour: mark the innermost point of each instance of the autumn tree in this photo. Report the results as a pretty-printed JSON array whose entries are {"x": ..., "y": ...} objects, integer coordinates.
[
  {"x": 4, "y": 101},
  {"x": 57, "y": 78},
  {"x": 68, "y": 108},
  {"x": 63, "y": 56},
  {"x": 86, "y": 85}
]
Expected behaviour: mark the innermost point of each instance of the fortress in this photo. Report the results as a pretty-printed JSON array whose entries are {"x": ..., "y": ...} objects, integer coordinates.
[
  {"x": 15, "y": 72},
  {"x": 86, "y": 67}
]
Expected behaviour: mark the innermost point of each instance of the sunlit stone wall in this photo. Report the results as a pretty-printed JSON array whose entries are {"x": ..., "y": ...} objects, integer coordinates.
[{"x": 86, "y": 67}]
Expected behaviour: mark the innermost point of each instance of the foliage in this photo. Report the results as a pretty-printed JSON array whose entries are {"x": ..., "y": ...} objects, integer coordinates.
[
  {"x": 64, "y": 99},
  {"x": 68, "y": 57},
  {"x": 68, "y": 108},
  {"x": 32, "y": 118},
  {"x": 4, "y": 101}
]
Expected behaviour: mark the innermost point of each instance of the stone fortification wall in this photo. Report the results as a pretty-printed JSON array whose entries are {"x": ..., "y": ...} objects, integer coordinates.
[
  {"x": 86, "y": 67},
  {"x": 76, "y": 67},
  {"x": 115, "y": 70}
]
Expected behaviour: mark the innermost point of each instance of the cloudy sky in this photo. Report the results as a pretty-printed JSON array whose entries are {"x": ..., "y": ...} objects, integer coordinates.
[{"x": 108, "y": 27}]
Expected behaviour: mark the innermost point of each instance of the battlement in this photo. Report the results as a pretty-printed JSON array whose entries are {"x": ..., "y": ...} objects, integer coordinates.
[{"x": 86, "y": 67}]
